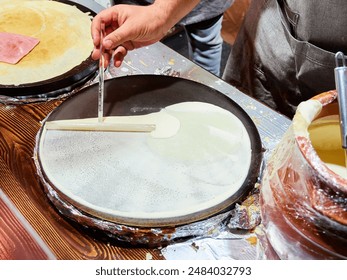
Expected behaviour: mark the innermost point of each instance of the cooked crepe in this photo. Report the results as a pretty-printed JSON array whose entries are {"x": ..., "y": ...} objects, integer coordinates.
[{"x": 64, "y": 34}]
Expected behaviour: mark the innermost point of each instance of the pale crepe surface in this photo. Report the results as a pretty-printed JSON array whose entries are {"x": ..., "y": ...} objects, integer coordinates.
[{"x": 139, "y": 176}]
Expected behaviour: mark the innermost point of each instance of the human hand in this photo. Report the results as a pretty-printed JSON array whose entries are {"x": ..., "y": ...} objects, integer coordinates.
[{"x": 127, "y": 27}]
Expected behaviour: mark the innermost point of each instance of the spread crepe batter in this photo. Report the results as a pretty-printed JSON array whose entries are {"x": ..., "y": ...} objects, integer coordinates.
[
  {"x": 64, "y": 34},
  {"x": 139, "y": 175}
]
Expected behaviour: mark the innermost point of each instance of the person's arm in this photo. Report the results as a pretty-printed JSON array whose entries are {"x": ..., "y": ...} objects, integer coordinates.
[{"x": 130, "y": 26}]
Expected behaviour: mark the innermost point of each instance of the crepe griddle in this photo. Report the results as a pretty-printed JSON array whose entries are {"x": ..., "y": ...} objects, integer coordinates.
[
  {"x": 61, "y": 84},
  {"x": 142, "y": 94}
]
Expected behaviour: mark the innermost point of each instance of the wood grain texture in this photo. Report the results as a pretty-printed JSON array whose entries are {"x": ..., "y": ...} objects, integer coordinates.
[
  {"x": 18, "y": 241},
  {"x": 19, "y": 126}
]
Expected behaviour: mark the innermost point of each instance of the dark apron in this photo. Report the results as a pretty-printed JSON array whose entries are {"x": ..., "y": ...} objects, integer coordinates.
[{"x": 285, "y": 51}]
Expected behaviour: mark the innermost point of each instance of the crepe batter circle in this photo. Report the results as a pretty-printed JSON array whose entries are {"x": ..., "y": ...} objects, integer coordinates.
[{"x": 138, "y": 176}]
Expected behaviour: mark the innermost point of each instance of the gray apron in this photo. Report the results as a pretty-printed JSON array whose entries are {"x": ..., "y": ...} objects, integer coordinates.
[{"x": 285, "y": 50}]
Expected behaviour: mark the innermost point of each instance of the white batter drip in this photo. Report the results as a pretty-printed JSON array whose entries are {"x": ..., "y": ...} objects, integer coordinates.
[{"x": 137, "y": 175}]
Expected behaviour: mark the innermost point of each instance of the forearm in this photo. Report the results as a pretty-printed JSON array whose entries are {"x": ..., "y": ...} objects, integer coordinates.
[{"x": 131, "y": 26}]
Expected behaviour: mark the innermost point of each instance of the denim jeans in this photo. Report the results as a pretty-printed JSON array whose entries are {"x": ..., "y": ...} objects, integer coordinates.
[{"x": 205, "y": 43}]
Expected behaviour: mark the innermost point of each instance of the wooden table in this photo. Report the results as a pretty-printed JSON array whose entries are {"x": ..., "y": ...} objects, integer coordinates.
[
  {"x": 30, "y": 226},
  {"x": 18, "y": 128}
]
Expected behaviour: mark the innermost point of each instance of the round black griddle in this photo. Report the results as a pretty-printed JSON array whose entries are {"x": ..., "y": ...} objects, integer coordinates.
[
  {"x": 142, "y": 94},
  {"x": 58, "y": 85}
]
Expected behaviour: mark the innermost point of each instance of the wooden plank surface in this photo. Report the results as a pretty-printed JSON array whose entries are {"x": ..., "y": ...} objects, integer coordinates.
[
  {"x": 19, "y": 125},
  {"x": 18, "y": 241}
]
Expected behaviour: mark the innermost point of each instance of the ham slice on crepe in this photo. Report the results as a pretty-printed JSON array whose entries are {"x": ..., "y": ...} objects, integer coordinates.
[{"x": 13, "y": 47}]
